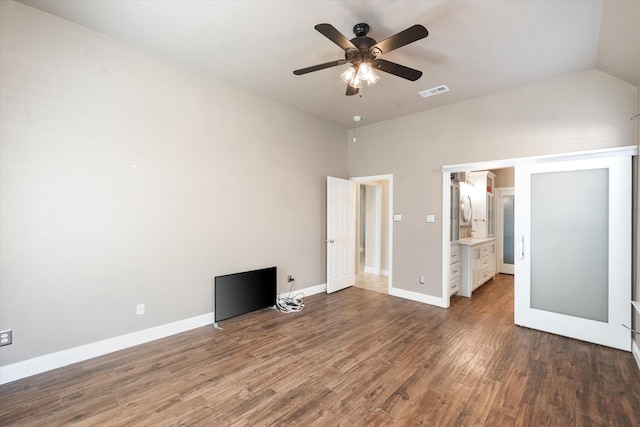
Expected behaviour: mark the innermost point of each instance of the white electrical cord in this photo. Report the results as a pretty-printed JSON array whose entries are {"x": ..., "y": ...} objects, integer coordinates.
[{"x": 291, "y": 304}]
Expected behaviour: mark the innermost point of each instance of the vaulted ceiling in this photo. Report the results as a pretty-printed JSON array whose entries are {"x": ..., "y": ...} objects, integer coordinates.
[{"x": 474, "y": 47}]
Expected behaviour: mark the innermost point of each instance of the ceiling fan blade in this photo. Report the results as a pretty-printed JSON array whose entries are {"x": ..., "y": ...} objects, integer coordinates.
[
  {"x": 405, "y": 37},
  {"x": 351, "y": 90},
  {"x": 320, "y": 67},
  {"x": 330, "y": 32},
  {"x": 397, "y": 69}
]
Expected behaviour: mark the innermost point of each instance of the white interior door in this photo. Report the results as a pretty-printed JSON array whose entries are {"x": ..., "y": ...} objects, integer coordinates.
[
  {"x": 341, "y": 233},
  {"x": 573, "y": 249}
]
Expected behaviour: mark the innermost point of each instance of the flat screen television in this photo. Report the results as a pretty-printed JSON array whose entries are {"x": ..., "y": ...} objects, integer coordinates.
[{"x": 241, "y": 293}]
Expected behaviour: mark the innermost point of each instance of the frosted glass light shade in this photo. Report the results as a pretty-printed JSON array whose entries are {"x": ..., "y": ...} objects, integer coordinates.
[
  {"x": 348, "y": 74},
  {"x": 365, "y": 72}
]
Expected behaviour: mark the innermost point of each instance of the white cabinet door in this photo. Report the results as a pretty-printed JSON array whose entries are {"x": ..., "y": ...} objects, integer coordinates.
[
  {"x": 573, "y": 249},
  {"x": 492, "y": 259},
  {"x": 476, "y": 255}
]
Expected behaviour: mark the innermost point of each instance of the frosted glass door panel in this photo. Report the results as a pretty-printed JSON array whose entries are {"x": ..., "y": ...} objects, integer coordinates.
[
  {"x": 508, "y": 242},
  {"x": 569, "y": 243}
]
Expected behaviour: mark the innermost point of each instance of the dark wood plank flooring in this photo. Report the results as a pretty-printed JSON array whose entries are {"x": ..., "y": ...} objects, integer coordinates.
[{"x": 353, "y": 358}]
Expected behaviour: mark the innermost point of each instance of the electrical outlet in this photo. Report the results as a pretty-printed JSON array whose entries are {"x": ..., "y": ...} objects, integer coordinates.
[
  {"x": 140, "y": 309},
  {"x": 422, "y": 280},
  {"x": 6, "y": 337},
  {"x": 289, "y": 278}
]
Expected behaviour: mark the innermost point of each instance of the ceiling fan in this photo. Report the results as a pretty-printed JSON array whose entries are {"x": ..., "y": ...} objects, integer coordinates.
[{"x": 363, "y": 53}]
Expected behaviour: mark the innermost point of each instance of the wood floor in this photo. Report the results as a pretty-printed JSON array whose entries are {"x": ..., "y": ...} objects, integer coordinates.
[{"x": 352, "y": 358}]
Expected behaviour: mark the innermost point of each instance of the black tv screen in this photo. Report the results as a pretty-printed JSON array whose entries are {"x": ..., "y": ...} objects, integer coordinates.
[{"x": 240, "y": 293}]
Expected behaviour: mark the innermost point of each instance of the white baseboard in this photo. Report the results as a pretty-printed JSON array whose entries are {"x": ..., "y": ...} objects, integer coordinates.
[
  {"x": 415, "y": 296},
  {"x": 386, "y": 272},
  {"x": 372, "y": 270},
  {"x": 312, "y": 290},
  {"x": 636, "y": 352},
  {"x": 48, "y": 362}
]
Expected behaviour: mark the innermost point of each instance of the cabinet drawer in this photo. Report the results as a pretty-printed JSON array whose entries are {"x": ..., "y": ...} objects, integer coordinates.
[
  {"x": 485, "y": 251},
  {"x": 454, "y": 287},
  {"x": 454, "y": 256},
  {"x": 455, "y": 270},
  {"x": 484, "y": 263}
]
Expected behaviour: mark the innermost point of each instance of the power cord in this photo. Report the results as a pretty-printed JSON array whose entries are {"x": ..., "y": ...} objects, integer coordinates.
[{"x": 291, "y": 304}]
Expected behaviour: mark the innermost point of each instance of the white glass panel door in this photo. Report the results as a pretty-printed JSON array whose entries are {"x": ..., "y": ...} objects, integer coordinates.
[
  {"x": 573, "y": 258},
  {"x": 505, "y": 219}
]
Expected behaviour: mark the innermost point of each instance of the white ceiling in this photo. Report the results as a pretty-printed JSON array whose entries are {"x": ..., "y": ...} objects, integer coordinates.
[{"x": 474, "y": 47}]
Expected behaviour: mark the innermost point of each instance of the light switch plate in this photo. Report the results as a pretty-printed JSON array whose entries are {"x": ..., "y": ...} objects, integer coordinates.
[
  {"x": 397, "y": 217},
  {"x": 431, "y": 218}
]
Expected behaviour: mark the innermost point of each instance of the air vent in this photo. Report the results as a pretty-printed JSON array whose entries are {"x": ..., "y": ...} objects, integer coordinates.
[{"x": 434, "y": 91}]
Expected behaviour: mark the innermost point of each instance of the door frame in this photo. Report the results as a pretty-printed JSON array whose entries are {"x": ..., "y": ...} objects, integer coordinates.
[
  {"x": 367, "y": 180},
  {"x": 447, "y": 170}
]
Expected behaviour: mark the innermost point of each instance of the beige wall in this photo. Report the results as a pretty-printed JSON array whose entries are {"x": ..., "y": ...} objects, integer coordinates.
[
  {"x": 224, "y": 181},
  {"x": 504, "y": 177},
  {"x": 583, "y": 111}
]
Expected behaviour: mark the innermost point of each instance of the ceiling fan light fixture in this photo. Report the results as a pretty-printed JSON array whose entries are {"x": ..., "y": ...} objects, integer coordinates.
[{"x": 362, "y": 54}]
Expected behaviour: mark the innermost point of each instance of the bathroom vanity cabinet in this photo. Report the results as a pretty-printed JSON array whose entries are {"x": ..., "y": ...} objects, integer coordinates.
[{"x": 478, "y": 262}]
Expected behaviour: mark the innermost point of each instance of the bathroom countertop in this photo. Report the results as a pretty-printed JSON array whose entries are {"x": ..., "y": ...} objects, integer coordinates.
[{"x": 472, "y": 241}]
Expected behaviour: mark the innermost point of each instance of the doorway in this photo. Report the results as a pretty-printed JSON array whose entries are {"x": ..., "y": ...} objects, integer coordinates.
[
  {"x": 370, "y": 229},
  {"x": 373, "y": 229}
]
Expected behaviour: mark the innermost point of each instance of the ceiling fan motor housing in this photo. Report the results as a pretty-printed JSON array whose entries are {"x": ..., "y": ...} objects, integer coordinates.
[{"x": 363, "y": 53}]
